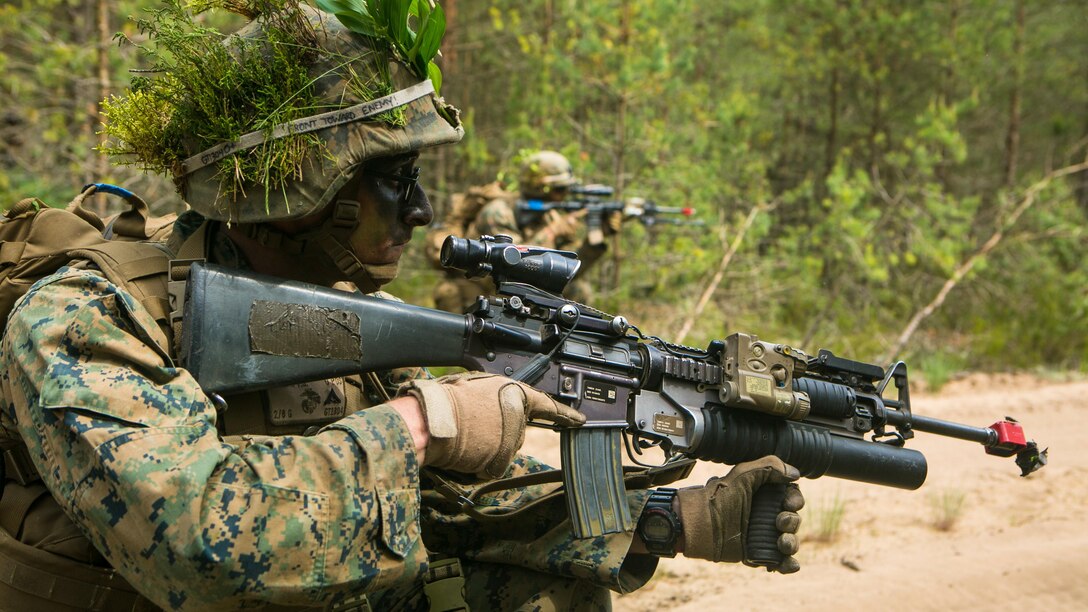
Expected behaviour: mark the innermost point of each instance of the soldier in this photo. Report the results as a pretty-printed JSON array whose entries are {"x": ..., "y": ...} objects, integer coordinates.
[
  {"x": 149, "y": 493},
  {"x": 491, "y": 210}
]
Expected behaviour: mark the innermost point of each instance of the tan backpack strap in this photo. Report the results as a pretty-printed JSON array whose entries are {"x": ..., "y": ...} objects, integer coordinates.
[
  {"x": 35, "y": 579},
  {"x": 141, "y": 269},
  {"x": 76, "y": 206},
  {"x": 17, "y": 503},
  {"x": 24, "y": 206}
]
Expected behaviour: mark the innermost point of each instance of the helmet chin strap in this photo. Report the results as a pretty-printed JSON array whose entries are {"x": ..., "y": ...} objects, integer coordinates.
[{"x": 329, "y": 245}]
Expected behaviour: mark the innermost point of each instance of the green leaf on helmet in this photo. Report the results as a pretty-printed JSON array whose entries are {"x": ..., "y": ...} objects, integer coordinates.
[
  {"x": 435, "y": 74},
  {"x": 389, "y": 22}
]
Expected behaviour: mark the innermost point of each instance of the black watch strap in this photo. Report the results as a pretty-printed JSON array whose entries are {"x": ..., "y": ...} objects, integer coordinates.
[{"x": 659, "y": 526}]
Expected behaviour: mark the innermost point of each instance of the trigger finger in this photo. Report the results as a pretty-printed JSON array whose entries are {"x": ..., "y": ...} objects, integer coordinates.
[{"x": 541, "y": 406}]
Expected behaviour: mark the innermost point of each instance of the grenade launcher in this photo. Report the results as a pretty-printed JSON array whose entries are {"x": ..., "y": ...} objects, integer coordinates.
[{"x": 736, "y": 400}]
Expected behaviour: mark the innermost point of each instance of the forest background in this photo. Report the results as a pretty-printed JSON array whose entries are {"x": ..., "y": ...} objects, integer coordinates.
[{"x": 885, "y": 179}]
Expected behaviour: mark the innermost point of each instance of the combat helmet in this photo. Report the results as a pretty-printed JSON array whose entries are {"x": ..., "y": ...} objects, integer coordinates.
[
  {"x": 543, "y": 172},
  {"x": 357, "y": 100}
]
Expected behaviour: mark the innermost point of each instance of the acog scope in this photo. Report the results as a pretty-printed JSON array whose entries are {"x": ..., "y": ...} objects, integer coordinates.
[{"x": 499, "y": 257}]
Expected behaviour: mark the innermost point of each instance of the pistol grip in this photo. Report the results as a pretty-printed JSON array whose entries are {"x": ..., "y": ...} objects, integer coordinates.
[{"x": 593, "y": 476}]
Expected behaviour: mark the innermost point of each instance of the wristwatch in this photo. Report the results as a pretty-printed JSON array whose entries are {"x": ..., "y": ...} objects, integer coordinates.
[{"x": 659, "y": 526}]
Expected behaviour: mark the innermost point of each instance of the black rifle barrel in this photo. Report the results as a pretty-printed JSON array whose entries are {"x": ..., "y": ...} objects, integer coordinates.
[{"x": 982, "y": 435}]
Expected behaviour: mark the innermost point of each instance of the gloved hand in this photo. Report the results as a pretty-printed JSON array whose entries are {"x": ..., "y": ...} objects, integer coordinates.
[
  {"x": 715, "y": 516},
  {"x": 613, "y": 223},
  {"x": 560, "y": 227},
  {"x": 477, "y": 421}
]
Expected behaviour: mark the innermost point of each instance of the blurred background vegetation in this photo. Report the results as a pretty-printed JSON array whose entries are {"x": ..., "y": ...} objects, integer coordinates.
[{"x": 892, "y": 179}]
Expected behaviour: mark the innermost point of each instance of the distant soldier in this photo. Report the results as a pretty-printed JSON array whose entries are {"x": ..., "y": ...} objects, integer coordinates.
[{"x": 491, "y": 210}]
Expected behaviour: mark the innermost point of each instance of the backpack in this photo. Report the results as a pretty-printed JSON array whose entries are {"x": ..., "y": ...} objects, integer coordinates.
[
  {"x": 37, "y": 240},
  {"x": 461, "y": 215}
]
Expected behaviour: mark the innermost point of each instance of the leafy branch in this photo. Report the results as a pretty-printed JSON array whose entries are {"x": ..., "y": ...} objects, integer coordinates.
[{"x": 389, "y": 22}]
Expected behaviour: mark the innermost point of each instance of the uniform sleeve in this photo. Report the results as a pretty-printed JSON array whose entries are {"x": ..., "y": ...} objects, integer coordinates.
[{"x": 127, "y": 444}]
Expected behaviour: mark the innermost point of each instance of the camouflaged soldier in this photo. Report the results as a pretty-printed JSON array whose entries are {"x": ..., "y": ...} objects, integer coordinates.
[
  {"x": 490, "y": 210},
  {"x": 148, "y": 493}
]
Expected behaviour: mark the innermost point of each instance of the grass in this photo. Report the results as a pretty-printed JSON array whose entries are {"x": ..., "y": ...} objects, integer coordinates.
[
  {"x": 947, "y": 508},
  {"x": 939, "y": 367},
  {"x": 827, "y": 519}
]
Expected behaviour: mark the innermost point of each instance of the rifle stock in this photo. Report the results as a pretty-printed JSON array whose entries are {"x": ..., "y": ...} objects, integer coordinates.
[{"x": 244, "y": 332}]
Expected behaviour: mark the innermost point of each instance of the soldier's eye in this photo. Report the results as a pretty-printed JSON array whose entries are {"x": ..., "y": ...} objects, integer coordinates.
[{"x": 406, "y": 179}]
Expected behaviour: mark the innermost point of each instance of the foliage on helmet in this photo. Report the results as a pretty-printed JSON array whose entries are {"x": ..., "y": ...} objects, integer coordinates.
[
  {"x": 205, "y": 88},
  {"x": 389, "y": 20}
]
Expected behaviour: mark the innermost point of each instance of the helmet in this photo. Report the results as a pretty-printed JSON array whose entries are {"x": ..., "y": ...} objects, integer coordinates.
[
  {"x": 347, "y": 122},
  {"x": 543, "y": 172}
]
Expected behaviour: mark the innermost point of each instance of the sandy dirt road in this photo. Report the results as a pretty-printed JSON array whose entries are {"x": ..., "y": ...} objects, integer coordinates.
[{"x": 1017, "y": 543}]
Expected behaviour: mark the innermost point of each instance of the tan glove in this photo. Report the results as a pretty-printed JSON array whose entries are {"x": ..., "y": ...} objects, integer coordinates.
[
  {"x": 560, "y": 227},
  {"x": 715, "y": 516},
  {"x": 613, "y": 223},
  {"x": 477, "y": 421}
]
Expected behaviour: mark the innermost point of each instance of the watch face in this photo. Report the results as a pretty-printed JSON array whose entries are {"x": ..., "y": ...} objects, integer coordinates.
[{"x": 657, "y": 528}]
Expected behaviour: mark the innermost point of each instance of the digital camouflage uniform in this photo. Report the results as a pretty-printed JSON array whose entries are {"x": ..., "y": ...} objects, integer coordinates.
[{"x": 200, "y": 516}]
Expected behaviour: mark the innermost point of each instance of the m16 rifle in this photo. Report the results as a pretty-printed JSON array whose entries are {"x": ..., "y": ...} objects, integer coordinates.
[
  {"x": 597, "y": 203},
  {"x": 739, "y": 399}
]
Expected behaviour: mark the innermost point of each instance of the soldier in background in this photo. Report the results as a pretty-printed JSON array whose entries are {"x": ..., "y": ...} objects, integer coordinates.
[{"x": 491, "y": 210}]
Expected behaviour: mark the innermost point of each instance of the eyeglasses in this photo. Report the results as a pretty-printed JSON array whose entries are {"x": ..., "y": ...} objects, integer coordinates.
[{"x": 406, "y": 183}]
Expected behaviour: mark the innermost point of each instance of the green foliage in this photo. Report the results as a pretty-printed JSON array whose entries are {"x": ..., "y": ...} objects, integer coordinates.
[
  {"x": 938, "y": 367},
  {"x": 206, "y": 91},
  {"x": 387, "y": 21},
  {"x": 877, "y": 132}
]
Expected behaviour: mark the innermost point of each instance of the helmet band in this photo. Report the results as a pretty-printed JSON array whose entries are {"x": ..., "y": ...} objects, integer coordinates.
[{"x": 308, "y": 124}]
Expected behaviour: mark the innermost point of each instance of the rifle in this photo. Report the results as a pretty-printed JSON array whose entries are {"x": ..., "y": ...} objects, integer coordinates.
[
  {"x": 595, "y": 201},
  {"x": 737, "y": 400}
]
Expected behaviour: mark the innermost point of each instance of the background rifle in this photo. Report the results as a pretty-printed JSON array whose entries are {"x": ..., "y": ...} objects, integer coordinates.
[
  {"x": 596, "y": 201},
  {"x": 737, "y": 400}
]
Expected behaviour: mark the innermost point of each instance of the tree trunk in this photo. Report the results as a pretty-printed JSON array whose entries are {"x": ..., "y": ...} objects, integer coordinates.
[
  {"x": 1012, "y": 137},
  {"x": 716, "y": 280},
  {"x": 620, "y": 156},
  {"x": 105, "y": 35}
]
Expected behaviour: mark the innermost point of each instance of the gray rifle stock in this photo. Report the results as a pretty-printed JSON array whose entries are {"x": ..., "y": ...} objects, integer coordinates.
[{"x": 245, "y": 332}]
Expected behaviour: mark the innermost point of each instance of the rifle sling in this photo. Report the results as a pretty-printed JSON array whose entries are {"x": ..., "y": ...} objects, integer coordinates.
[{"x": 634, "y": 477}]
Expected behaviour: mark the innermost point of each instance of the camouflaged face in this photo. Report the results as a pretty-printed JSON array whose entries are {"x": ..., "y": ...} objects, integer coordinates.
[{"x": 344, "y": 147}]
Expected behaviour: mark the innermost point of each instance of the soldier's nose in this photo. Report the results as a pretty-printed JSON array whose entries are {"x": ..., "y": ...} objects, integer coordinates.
[{"x": 417, "y": 211}]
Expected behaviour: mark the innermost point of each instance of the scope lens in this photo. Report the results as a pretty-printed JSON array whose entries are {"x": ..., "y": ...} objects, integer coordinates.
[{"x": 454, "y": 252}]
